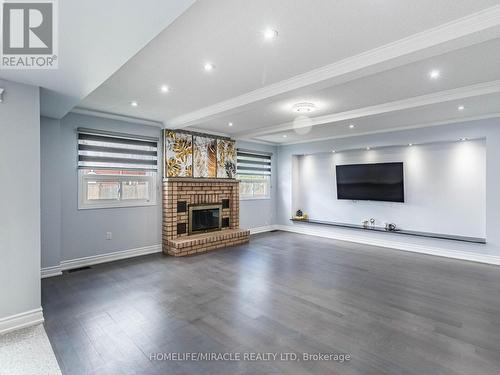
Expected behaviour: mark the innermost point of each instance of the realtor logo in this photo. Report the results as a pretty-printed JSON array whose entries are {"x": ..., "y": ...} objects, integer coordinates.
[{"x": 29, "y": 35}]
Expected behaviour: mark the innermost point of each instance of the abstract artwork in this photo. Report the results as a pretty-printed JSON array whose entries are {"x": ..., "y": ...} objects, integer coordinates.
[
  {"x": 204, "y": 157},
  {"x": 178, "y": 154},
  {"x": 226, "y": 158}
]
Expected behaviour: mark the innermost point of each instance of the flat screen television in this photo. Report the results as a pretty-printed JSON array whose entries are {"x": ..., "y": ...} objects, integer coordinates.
[{"x": 371, "y": 182}]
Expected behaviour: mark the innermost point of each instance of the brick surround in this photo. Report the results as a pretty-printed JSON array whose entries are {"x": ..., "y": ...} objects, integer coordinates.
[{"x": 199, "y": 191}]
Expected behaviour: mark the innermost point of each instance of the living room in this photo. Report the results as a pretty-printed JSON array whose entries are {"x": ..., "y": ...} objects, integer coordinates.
[{"x": 250, "y": 187}]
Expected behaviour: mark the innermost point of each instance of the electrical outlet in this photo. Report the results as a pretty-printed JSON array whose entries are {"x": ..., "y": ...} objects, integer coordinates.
[{"x": 109, "y": 235}]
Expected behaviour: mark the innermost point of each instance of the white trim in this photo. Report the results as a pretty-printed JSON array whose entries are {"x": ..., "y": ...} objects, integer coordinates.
[
  {"x": 110, "y": 257},
  {"x": 21, "y": 320},
  {"x": 436, "y": 251},
  {"x": 51, "y": 271},
  {"x": 255, "y": 140},
  {"x": 85, "y": 204},
  {"x": 210, "y": 132},
  {"x": 266, "y": 228},
  {"x": 115, "y": 116},
  {"x": 479, "y": 89},
  {"x": 98, "y": 259},
  {"x": 406, "y": 47},
  {"x": 391, "y": 130}
]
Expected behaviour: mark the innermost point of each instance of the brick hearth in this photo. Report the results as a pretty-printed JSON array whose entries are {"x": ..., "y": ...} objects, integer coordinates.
[{"x": 179, "y": 193}]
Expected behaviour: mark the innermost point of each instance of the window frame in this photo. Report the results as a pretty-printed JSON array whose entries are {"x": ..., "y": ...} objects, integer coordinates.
[
  {"x": 254, "y": 198},
  {"x": 268, "y": 176},
  {"x": 85, "y": 204}
]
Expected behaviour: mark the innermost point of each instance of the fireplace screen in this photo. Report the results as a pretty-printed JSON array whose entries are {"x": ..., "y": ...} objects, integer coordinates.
[{"x": 204, "y": 218}]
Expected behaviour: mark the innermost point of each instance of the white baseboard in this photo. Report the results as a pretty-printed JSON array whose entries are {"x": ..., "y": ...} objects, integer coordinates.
[
  {"x": 429, "y": 250},
  {"x": 22, "y": 320},
  {"x": 51, "y": 271},
  {"x": 97, "y": 259},
  {"x": 266, "y": 228}
]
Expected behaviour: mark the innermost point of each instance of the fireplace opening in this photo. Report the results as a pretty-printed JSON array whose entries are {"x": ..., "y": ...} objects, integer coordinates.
[{"x": 204, "y": 218}]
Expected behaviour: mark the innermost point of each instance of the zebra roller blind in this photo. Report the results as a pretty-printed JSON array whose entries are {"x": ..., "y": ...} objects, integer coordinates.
[
  {"x": 114, "y": 150},
  {"x": 253, "y": 163}
]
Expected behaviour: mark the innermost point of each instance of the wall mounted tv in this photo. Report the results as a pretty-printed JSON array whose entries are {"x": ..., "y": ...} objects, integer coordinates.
[{"x": 371, "y": 182}]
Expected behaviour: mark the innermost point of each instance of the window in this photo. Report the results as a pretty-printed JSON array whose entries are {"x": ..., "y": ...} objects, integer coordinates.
[
  {"x": 116, "y": 170},
  {"x": 254, "y": 173}
]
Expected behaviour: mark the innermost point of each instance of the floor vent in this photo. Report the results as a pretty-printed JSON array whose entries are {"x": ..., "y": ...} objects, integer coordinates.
[{"x": 79, "y": 269}]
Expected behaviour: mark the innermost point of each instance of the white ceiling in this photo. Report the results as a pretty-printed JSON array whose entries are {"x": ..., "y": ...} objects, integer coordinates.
[
  {"x": 95, "y": 38},
  {"x": 459, "y": 69},
  {"x": 358, "y": 61},
  {"x": 442, "y": 113}
]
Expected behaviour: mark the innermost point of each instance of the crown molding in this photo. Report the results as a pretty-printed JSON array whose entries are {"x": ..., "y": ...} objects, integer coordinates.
[
  {"x": 404, "y": 49},
  {"x": 398, "y": 105},
  {"x": 392, "y": 130},
  {"x": 209, "y": 132},
  {"x": 115, "y": 116},
  {"x": 255, "y": 140}
]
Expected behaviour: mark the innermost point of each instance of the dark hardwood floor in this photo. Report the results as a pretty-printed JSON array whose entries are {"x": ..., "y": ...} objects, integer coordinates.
[{"x": 394, "y": 312}]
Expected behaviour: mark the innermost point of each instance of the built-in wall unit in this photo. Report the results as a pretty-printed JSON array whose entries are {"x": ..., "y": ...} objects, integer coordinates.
[
  {"x": 435, "y": 190},
  {"x": 447, "y": 201}
]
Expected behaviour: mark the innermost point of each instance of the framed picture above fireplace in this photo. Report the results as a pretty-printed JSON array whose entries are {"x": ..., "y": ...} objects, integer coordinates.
[
  {"x": 204, "y": 157},
  {"x": 197, "y": 155}
]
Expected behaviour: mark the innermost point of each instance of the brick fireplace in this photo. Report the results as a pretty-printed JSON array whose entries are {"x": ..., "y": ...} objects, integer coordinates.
[{"x": 200, "y": 215}]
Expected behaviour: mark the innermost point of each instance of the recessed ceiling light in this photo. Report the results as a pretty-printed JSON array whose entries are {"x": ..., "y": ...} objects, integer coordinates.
[
  {"x": 229, "y": 124},
  {"x": 304, "y": 107},
  {"x": 434, "y": 74},
  {"x": 208, "y": 66},
  {"x": 333, "y": 151},
  {"x": 461, "y": 107},
  {"x": 368, "y": 149},
  {"x": 284, "y": 135},
  {"x": 270, "y": 34},
  {"x": 352, "y": 126},
  {"x": 134, "y": 103},
  {"x": 410, "y": 144},
  {"x": 164, "y": 88},
  {"x": 463, "y": 139}
]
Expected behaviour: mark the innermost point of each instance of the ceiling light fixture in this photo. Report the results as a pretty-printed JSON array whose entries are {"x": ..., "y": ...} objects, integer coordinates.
[
  {"x": 368, "y": 149},
  {"x": 208, "y": 67},
  {"x": 304, "y": 107},
  {"x": 434, "y": 74},
  {"x": 284, "y": 135},
  {"x": 134, "y": 103},
  {"x": 229, "y": 124},
  {"x": 352, "y": 126},
  {"x": 270, "y": 34},
  {"x": 461, "y": 107},
  {"x": 164, "y": 89},
  {"x": 333, "y": 151},
  {"x": 464, "y": 139},
  {"x": 410, "y": 144}
]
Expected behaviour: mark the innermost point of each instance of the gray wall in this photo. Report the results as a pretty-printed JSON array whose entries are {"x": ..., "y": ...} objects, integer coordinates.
[
  {"x": 444, "y": 183},
  {"x": 50, "y": 141},
  {"x": 69, "y": 233},
  {"x": 488, "y": 129},
  {"x": 255, "y": 213},
  {"x": 19, "y": 199}
]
